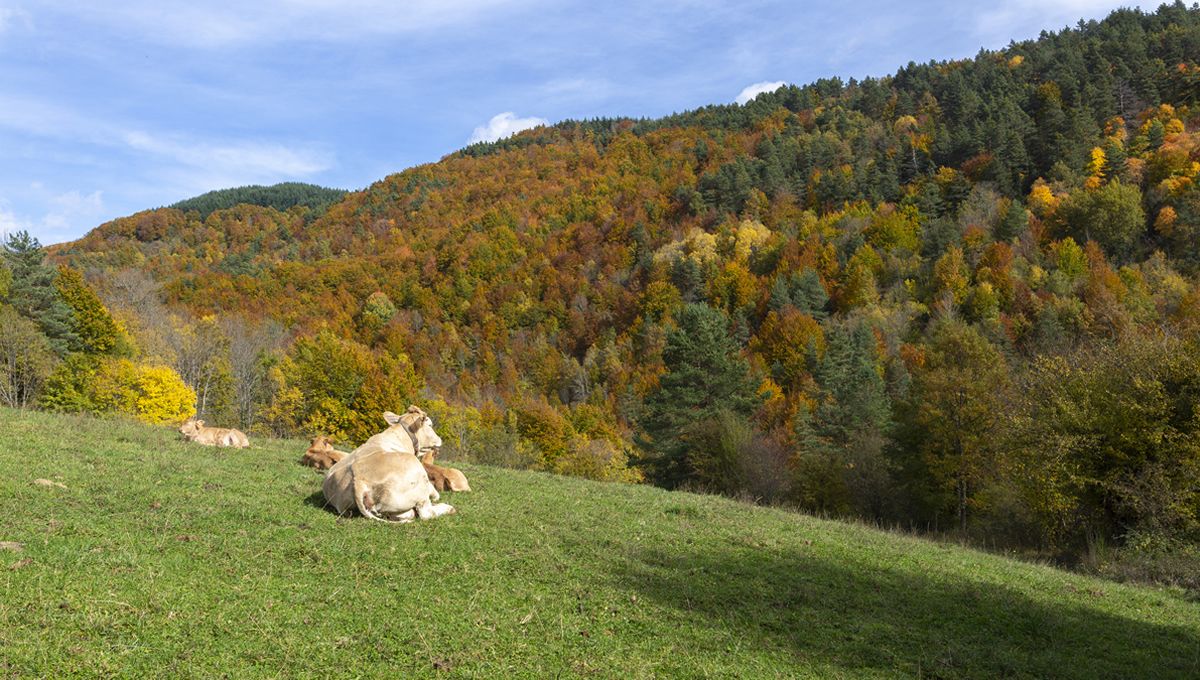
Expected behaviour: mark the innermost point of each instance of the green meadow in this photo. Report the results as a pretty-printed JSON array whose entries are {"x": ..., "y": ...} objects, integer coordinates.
[{"x": 161, "y": 558}]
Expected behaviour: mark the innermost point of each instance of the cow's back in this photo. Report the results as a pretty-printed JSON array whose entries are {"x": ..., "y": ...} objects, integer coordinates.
[{"x": 397, "y": 480}]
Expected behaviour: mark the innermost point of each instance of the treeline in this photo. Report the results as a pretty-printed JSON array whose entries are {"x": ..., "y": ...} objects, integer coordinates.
[
  {"x": 282, "y": 197},
  {"x": 963, "y": 297}
]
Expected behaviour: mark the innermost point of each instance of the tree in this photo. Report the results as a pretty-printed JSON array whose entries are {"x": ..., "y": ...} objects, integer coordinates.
[
  {"x": 251, "y": 347},
  {"x": 200, "y": 358},
  {"x": 26, "y": 359},
  {"x": 803, "y": 291},
  {"x": 705, "y": 376},
  {"x": 839, "y": 461},
  {"x": 1112, "y": 215},
  {"x": 33, "y": 293},
  {"x": 1109, "y": 439},
  {"x": 98, "y": 332},
  {"x": 960, "y": 396}
]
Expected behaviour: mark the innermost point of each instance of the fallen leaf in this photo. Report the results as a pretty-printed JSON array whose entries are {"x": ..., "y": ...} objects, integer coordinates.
[
  {"x": 12, "y": 545},
  {"x": 20, "y": 564},
  {"x": 49, "y": 482},
  {"x": 155, "y": 505},
  {"x": 185, "y": 538},
  {"x": 528, "y": 617}
]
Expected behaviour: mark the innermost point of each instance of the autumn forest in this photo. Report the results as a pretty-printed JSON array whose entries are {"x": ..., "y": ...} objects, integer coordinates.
[{"x": 961, "y": 299}]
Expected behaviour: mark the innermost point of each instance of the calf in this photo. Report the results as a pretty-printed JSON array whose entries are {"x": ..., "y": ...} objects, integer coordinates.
[
  {"x": 195, "y": 430},
  {"x": 443, "y": 478},
  {"x": 321, "y": 454}
]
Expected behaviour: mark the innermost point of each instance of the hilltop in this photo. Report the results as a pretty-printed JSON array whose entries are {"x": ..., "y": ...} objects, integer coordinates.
[
  {"x": 161, "y": 557},
  {"x": 282, "y": 197}
]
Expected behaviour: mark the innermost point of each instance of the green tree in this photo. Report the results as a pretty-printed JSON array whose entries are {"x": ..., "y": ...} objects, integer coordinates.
[
  {"x": 1111, "y": 215},
  {"x": 1109, "y": 439},
  {"x": 705, "y": 376},
  {"x": 33, "y": 294},
  {"x": 839, "y": 463},
  {"x": 960, "y": 398}
]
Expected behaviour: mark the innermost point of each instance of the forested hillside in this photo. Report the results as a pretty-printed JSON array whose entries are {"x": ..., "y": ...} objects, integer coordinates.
[
  {"x": 282, "y": 196},
  {"x": 960, "y": 297}
]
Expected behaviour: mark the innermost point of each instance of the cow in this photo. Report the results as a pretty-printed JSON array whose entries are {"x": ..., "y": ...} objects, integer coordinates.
[
  {"x": 321, "y": 454},
  {"x": 194, "y": 430},
  {"x": 383, "y": 479},
  {"x": 443, "y": 477}
]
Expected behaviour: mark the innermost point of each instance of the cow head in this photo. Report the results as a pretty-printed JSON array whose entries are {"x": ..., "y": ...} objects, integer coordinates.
[
  {"x": 191, "y": 427},
  {"x": 419, "y": 427}
]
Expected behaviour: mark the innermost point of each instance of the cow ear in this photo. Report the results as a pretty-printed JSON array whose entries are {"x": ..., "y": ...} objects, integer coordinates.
[
  {"x": 415, "y": 409},
  {"x": 391, "y": 418},
  {"x": 199, "y": 422}
]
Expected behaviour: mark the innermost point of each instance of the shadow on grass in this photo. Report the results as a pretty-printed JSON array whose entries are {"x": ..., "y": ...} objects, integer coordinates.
[
  {"x": 317, "y": 500},
  {"x": 917, "y": 623}
]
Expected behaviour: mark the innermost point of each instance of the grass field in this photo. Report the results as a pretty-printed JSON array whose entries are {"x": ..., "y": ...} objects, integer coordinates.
[{"x": 165, "y": 559}]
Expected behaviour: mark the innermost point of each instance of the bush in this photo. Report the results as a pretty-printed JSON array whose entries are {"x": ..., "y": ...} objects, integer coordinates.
[{"x": 152, "y": 394}]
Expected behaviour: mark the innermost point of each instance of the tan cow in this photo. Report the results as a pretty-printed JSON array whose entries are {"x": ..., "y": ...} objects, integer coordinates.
[
  {"x": 383, "y": 478},
  {"x": 321, "y": 454},
  {"x": 443, "y": 477},
  {"x": 195, "y": 430}
]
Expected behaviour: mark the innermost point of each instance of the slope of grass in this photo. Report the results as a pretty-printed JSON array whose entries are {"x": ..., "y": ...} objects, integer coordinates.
[{"x": 166, "y": 559}]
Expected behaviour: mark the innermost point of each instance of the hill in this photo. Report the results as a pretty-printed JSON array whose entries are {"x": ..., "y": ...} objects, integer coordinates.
[
  {"x": 282, "y": 197},
  {"x": 164, "y": 558},
  {"x": 1007, "y": 243}
]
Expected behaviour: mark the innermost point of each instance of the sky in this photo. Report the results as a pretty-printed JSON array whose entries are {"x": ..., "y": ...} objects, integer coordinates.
[{"x": 111, "y": 108}]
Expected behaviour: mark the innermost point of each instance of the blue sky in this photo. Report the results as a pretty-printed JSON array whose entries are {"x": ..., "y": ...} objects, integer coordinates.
[{"x": 105, "y": 111}]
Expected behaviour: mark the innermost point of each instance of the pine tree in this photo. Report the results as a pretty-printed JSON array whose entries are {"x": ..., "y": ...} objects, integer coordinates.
[
  {"x": 705, "y": 377},
  {"x": 33, "y": 293}
]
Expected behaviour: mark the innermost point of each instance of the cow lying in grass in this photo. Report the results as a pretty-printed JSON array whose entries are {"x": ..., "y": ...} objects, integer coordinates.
[
  {"x": 194, "y": 430},
  {"x": 383, "y": 478},
  {"x": 321, "y": 454},
  {"x": 443, "y": 478}
]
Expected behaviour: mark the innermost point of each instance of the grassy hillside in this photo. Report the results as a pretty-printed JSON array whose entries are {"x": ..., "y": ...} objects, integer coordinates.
[{"x": 164, "y": 558}]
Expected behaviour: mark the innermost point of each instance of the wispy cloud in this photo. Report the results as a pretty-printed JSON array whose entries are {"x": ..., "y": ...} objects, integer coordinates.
[
  {"x": 67, "y": 213},
  {"x": 212, "y": 24},
  {"x": 503, "y": 125},
  {"x": 751, "y": 91},
  {"x": 252, "y": 158}
]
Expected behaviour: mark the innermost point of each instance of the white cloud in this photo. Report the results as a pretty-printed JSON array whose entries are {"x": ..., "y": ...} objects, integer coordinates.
[
  {"x": 503, "y": 125},
  {"x": 751, "y": 91}
]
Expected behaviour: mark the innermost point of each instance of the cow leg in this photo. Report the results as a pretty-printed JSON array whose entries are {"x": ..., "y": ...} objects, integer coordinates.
[
  {"x": 402, "y": 517},
  {"x": 431, "y": 510}
]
